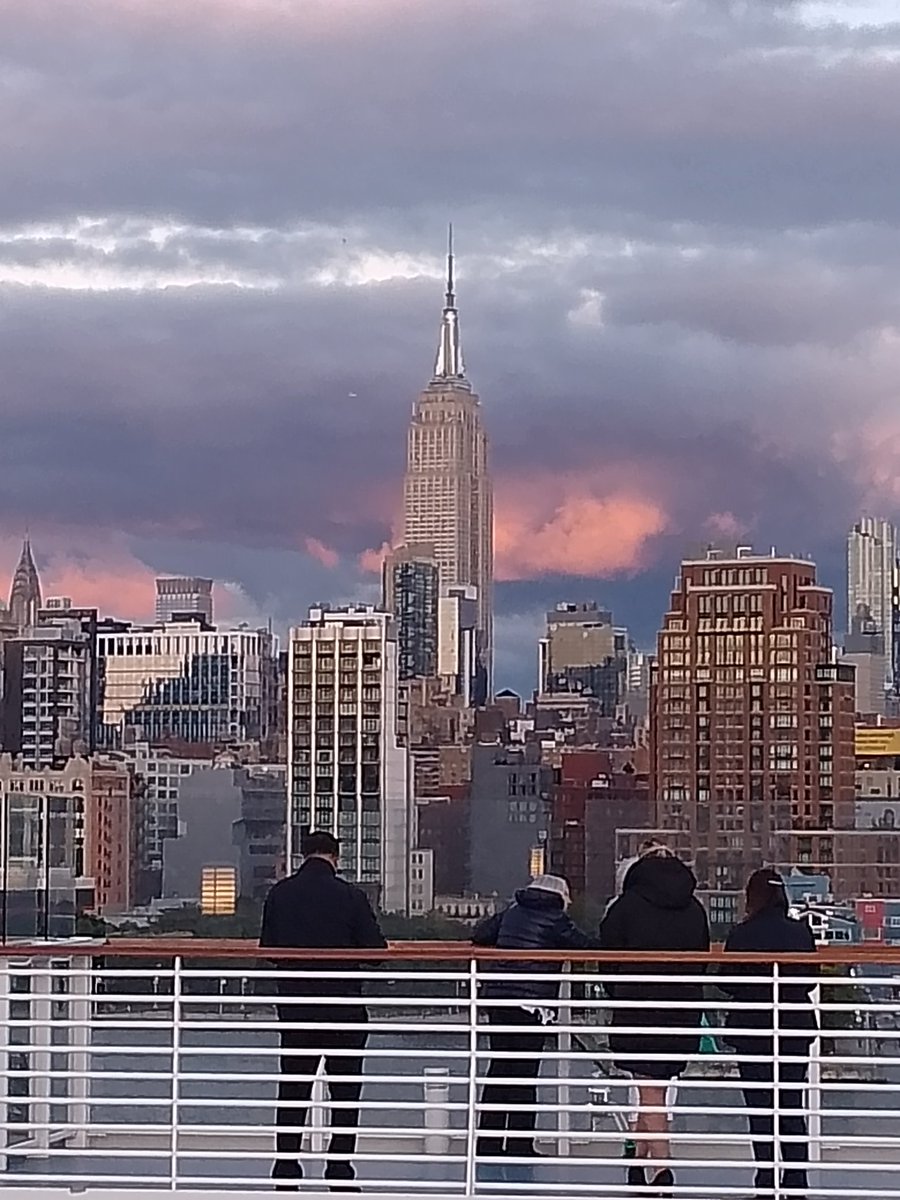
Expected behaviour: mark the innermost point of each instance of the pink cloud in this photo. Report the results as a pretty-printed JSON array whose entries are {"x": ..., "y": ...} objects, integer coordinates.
[
  {"x": 122, "y": 587},
  {"x": 321, "y": 553},
  {"x": 373, "y": 560},
  {"x": 581, "y": 535}
]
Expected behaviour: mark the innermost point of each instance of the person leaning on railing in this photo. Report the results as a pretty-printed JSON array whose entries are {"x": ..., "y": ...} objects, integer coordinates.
[
  {"x": 656, "y": 911},
  {"x": 769, "y": 928},
  {"x": 536, "y": 920},
  {"x": 316, "y": 909}
]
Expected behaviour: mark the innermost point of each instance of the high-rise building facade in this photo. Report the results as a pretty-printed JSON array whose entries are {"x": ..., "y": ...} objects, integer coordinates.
[
  {"x": 411, "y": 590},
  {"x": 871, "y": 572},
  {"x": 509, "y": 817},
  {"x": 25, "y": 592},
  {"x": 458, "y": 663},
  {"x": 184, "y": 682},
  {"x": 347, "y": 769},
  {"x": 109, "y": 835},
  {"x": 159, "y": 776},
  {"x": 583, "y": 651},
  {"x": 231, "y": 817},
  {"x": 751, "y": 721},
  {"x": 43, "y": 884},
  {"x": 49, "y": 687},
  {"x": 185, "y": 595},
  {"x": 448, "y": 496},
  {"x": 864, "y": 651}
]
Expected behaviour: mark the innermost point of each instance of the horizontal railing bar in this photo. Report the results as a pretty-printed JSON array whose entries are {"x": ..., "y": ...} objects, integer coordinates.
[{"x": 216, "y": 948}]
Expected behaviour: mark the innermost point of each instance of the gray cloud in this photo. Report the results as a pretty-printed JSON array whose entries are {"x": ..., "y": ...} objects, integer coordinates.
[{"x": 220, "y": 259}]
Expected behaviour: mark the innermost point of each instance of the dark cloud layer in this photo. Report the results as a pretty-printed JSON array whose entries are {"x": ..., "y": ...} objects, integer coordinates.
[{"x": 220, "y": 240}]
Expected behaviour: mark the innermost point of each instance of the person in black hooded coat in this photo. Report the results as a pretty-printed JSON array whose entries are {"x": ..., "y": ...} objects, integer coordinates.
[
  {"x": 769, "y": 928},
  {"x": 656, "y": 911},
  {"x": 536, "y": 920}
]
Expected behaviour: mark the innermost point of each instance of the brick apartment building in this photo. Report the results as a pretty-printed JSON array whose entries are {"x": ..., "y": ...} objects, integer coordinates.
[{"x": 752, "y": 756}]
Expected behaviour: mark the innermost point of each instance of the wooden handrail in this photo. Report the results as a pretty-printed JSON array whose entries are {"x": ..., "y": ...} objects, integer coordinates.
[{"x": 197, "y": 948}]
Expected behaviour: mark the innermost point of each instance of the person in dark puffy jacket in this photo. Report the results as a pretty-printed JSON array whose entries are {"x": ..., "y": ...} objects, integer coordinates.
[
  {"x": 768, "y": 928},
  {"x": 536, "y": 920},
  {"x": 656, "y": 911}
]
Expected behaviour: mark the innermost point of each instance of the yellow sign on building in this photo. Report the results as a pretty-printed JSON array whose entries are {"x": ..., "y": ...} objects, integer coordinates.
[{"x": 877, "y": 741}]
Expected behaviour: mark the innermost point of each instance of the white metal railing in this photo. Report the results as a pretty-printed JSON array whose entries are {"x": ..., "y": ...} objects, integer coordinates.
[{"x": 142, "y": 1068}]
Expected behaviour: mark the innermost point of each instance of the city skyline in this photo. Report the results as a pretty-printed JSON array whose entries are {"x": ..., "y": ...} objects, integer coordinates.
[{"x": 676, "y": 340}]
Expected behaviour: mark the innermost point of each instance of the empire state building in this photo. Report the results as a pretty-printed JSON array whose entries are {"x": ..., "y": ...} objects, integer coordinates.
[{"x": 447, "y": 497}]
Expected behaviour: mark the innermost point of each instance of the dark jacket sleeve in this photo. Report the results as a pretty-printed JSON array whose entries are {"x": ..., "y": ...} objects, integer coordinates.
[
  {"x": 703, "y": 938},
  {"x": 268, "y": 932},
  {"x": 570, "y": 937},
  {"x": 487, "y": 930},
  {"x": 613, "y": 936},
  {"x": 367, "y": 932}
]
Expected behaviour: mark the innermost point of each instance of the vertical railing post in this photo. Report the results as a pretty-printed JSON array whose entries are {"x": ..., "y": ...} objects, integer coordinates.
[
  {"x": 776, "y": 1081},
  {"x": 79, "y": 1008},
  {"x": 4, "y": 1059},
  {"x": 564, "y": 1091},
  {"x": 176, "y": 1071},
  {"x": 472, "y": 1111},
  {"x": 41, "y": 1014},
  {"x": 814, "y": 1093}
]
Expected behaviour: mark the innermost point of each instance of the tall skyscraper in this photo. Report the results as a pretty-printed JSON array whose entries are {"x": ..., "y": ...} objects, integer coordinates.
[
  {"x": 183, "y": 596},
  {"x": 448, "y": 498},
  {"x": 347, "y": 770},
  {"x": 751, "y": 721},
  {"x": 871, "y": 569},
  {"x": 864, "y": 651},
  {"x": 25, "y": 593},
  {"x": 411, "y": 589}
]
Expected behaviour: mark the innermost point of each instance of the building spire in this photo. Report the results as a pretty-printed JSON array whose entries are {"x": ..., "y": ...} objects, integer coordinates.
[
  {"x": 25, "y": 593},
  {"x": 449, "y": 362}
]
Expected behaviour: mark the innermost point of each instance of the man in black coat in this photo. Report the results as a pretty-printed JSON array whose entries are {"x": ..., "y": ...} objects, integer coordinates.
[{"x": 316, "y": 909}]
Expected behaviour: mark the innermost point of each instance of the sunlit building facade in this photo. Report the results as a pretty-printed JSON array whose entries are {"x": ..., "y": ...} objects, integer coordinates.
[
  {"x": 183, "y": 682},
  {"x": 347, "y": 770}
]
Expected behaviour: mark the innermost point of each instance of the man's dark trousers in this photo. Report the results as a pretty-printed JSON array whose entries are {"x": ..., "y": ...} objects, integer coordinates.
[{"x": 302, "y": 1052}]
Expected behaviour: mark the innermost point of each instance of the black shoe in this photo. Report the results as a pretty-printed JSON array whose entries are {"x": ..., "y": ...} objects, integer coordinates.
[
  {"x": 636, "y": 1177},
  {"x": 764, "y": 1183},
  {"x": 663, "y": 1179},
  {"x": 287, "y": 1169},
  {"x": 341, "y": 1177},
  {"x": 795, "y": 1179}
]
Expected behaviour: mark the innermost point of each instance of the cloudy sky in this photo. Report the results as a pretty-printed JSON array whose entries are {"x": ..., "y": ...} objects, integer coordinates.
[{"x": 221, "y": 237}]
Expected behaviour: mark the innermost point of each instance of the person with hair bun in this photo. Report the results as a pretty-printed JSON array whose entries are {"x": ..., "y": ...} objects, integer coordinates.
[{"x": 769, "y": 928}]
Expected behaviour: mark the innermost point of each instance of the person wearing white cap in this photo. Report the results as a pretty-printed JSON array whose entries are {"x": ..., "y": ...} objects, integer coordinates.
[{"x": 536, "y": 920}]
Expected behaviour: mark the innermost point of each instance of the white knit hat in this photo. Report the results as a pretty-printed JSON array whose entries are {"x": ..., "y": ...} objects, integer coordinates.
[{"x": 554, "y": 884}]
